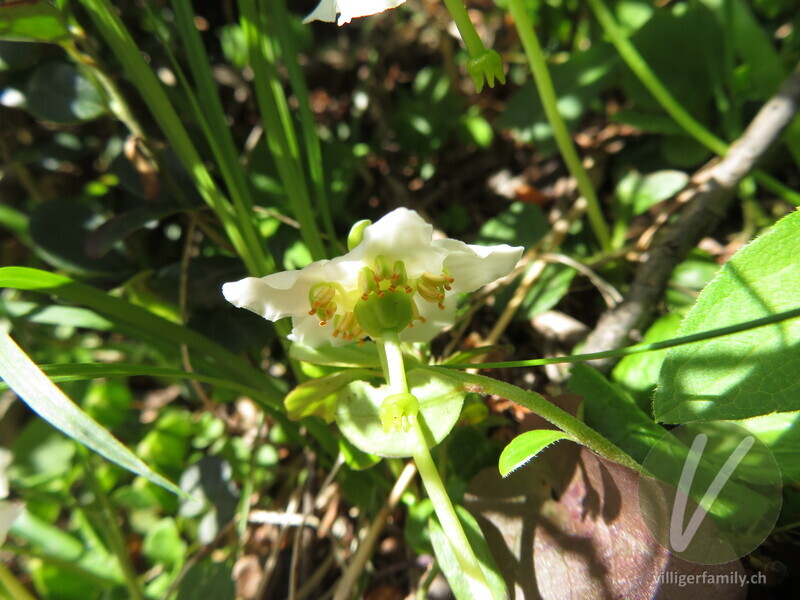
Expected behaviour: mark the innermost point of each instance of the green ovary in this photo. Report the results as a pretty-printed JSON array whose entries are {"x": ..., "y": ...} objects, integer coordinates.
[
  {"x": 399, "y": 412},
  {"x": 385, "y": 300}
]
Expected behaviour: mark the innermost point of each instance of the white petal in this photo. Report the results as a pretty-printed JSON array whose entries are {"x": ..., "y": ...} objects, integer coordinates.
[
  {"x": 351, "y": 9},
  {"x": 475, "y": 266},
  {"x": 273, "y": 297},
  {"x": 9, "y": 511},
  {"x": 436, "y": 320},
  {"x": 285, "y": 294},
  {"x": 307, "y": 330},
  {"x": 403, "y": 234},
  {"x": 326, "y": 11}
]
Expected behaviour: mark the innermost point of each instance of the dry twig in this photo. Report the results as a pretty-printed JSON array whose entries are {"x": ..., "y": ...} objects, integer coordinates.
[{"x": 706, "y": 201}]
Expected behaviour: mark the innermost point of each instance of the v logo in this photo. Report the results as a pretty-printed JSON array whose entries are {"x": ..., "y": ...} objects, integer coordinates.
[{"x": 679, "y": 540}]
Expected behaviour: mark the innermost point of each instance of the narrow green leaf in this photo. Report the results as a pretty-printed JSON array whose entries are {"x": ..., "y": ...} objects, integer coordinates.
[
  {"x": 752, "y": 372},
  {"x": 135, "y": 319},
  {"x": 37, "y": 391},
  {"x": 525, "y": 446},
  {"x": 81, "y": 372},
  {"x": 32, "y": 21}
]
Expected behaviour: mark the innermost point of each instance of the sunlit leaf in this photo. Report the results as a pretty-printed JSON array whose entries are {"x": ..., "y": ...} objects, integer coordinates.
[
  {"x": 526, "y": 446},
  {"x": 31, "y": 385}
]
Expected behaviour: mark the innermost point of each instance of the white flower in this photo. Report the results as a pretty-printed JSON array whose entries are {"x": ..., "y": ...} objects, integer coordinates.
[
  {"x": 397, "y": 259},
  {"x": 346, "y": 10}
]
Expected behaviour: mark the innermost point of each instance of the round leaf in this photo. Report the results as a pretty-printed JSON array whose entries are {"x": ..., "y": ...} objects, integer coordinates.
[
  {"x": 358, "y": 413},
  {"x": 60, "y": 92}
]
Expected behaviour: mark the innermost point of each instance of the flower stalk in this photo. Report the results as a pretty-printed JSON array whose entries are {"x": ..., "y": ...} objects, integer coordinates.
[
  {"x": 434, "y": 487},
  {"x": 483, "y": 63}
]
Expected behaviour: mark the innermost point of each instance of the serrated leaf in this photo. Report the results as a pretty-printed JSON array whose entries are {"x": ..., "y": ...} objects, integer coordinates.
[
  {"x": 50, "y": 403},
  {"x": 613, "y": 413},
  {"x": 35, "y": 20},
  {"x": 525, "y": 446},
  {"x": 357, "y": 413},
  {"x": 750, "y": 373}
]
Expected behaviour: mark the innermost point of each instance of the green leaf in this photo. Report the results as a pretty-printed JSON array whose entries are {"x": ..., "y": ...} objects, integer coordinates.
[
  {"x": 552, "y": 285},
  {"x": 781, "y": 433},
  {"x": 578, "y": 83},
  {"x": 449, "y": 564},
  {"x": 141, "y": 323},
  {"x": 525, "y": 446},
  {"x": 18, "y": 55},
  {"x": 122, "y": 225},
  {"x": 60, "y": 230},
  {"x": 520, "y": 224},
  {"x": 349, "y": 355},
  {"x": 638, "y": 373},
  {"x": 50, "y": 403},
  {"x": 72, "y": 316},
  {"x": 65, "y": 93},
  {"x": 205, "y": 580},
  {"x": 318, "y": 396},
  {"x": 83, "y": 371},
  {"x": 163, "y": 544},
  {"x": 35, "y": 20},
  {"x": 640, "y": 192},
  {"x": 42, "y": 457},
  {"x": 750, "y": 373},
  {"x": 613, "y": 413},
  {"x": 357, "y": 413}
]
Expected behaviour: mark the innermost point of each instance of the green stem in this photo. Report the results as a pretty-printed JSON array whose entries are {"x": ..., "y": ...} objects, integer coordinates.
[
  {"x": 636, "y": 348},
  {"x": 396, "y": 378},
  {"x": 680, "y": 115},
  {"x": 113, "y": 533},
  {"x": 10, "y": 587},
  {"x": 395, "y": 368},
  {"x": 277, "y": 121},
  {"x": 283, "y": 31},
  {"x": 547, "y": 94},
  {"x": 575, "y": 428},
  {"x": 108, "y": 22},
  {"x": 472, "y": 40}
]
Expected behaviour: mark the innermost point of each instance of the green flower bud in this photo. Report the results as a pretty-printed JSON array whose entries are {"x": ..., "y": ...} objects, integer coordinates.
[
  {"x": 488, "y": 65},
  {"x": 382, "y": 311},
  {"x": 356, "y": 235}
]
